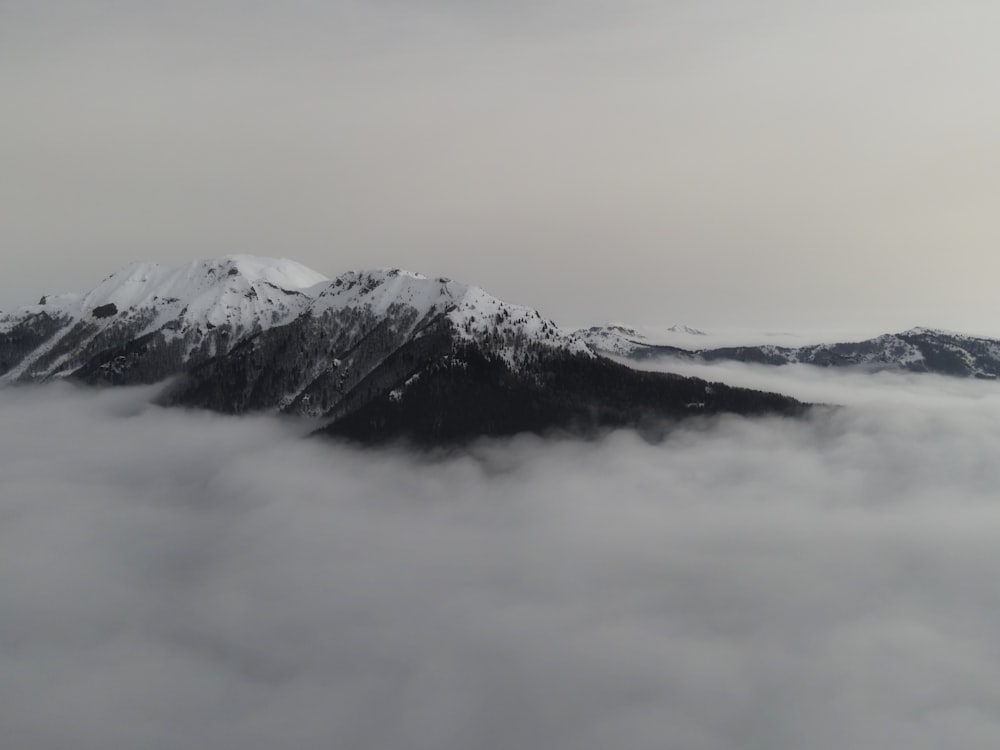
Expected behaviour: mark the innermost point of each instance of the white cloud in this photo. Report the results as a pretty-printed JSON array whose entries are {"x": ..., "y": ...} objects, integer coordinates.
[{"x": 181, "y": 580}]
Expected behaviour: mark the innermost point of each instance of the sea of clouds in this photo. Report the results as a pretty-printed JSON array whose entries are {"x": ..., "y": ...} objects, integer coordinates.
[{"x": 179, "y": 580}]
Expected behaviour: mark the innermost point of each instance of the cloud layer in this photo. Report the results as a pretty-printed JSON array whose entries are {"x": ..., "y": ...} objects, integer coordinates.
[{"x": 180, "y": 580}]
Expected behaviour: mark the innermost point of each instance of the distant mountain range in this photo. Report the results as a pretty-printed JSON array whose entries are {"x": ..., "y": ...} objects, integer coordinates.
[
  {"x": 915, "y": 350},
  {"x": 372, "y": 355}
]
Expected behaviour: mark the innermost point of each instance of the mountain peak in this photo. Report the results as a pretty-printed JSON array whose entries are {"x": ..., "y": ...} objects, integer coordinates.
[
  {"x": 282, "y": 272},
  {"x": 184, "y": 306},
  {"x": 373, "y": 353},
  {"x": 203, "y": 308},
  {"x": 472, "y": 312},
  {"x": 681, "y": 328},
  {"x": 142, "y": 284}
]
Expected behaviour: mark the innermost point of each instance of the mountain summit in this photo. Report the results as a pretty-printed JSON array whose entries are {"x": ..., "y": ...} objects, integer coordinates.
[
  {"x": 181, "y": 315},
  {"x": 373, "y": 354}
]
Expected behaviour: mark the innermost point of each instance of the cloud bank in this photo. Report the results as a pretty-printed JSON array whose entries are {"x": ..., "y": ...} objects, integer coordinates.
[{"x": 181, "y": 580}]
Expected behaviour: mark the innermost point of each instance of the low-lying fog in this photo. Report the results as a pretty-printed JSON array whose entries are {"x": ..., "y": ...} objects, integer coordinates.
[{"x": 179, "y": 580}]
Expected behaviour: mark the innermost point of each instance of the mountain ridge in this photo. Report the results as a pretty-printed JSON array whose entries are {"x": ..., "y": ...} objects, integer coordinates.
[
  {"x": 373, "y": 354},
  {"x": 919, "y": 349}
]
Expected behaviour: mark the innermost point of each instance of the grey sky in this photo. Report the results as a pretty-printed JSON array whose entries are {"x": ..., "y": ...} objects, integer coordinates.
[
  {"x": 725, "y": 163},
  {"x": 180, "y": 580}
]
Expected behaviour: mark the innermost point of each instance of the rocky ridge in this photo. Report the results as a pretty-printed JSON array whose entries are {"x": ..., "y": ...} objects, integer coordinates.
[{"x": 373, "y": 355}]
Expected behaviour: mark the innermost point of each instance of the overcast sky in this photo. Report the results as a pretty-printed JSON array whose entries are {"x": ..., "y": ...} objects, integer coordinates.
[
  {"x": 182, "y": 581},
  {"x": 752, "y": 162}
]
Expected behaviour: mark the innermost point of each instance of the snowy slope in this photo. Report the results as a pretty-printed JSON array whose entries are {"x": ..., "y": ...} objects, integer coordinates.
[
  {"x": 208, "y": 302},
  {"x": 620, "y": 340},
  {"x": 473, "y": 313},
  {"x": 204, "y": 309},
  {"x": 235, "y": 290}
]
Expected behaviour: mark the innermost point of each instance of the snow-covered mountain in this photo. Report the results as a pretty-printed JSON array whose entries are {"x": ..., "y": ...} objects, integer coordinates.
[
  {"x": 620, "y": 340},
  {"x": 182, "y": 315},
  {"x": 915, "y": 350},
  {"x": 372, "y": 353}
]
